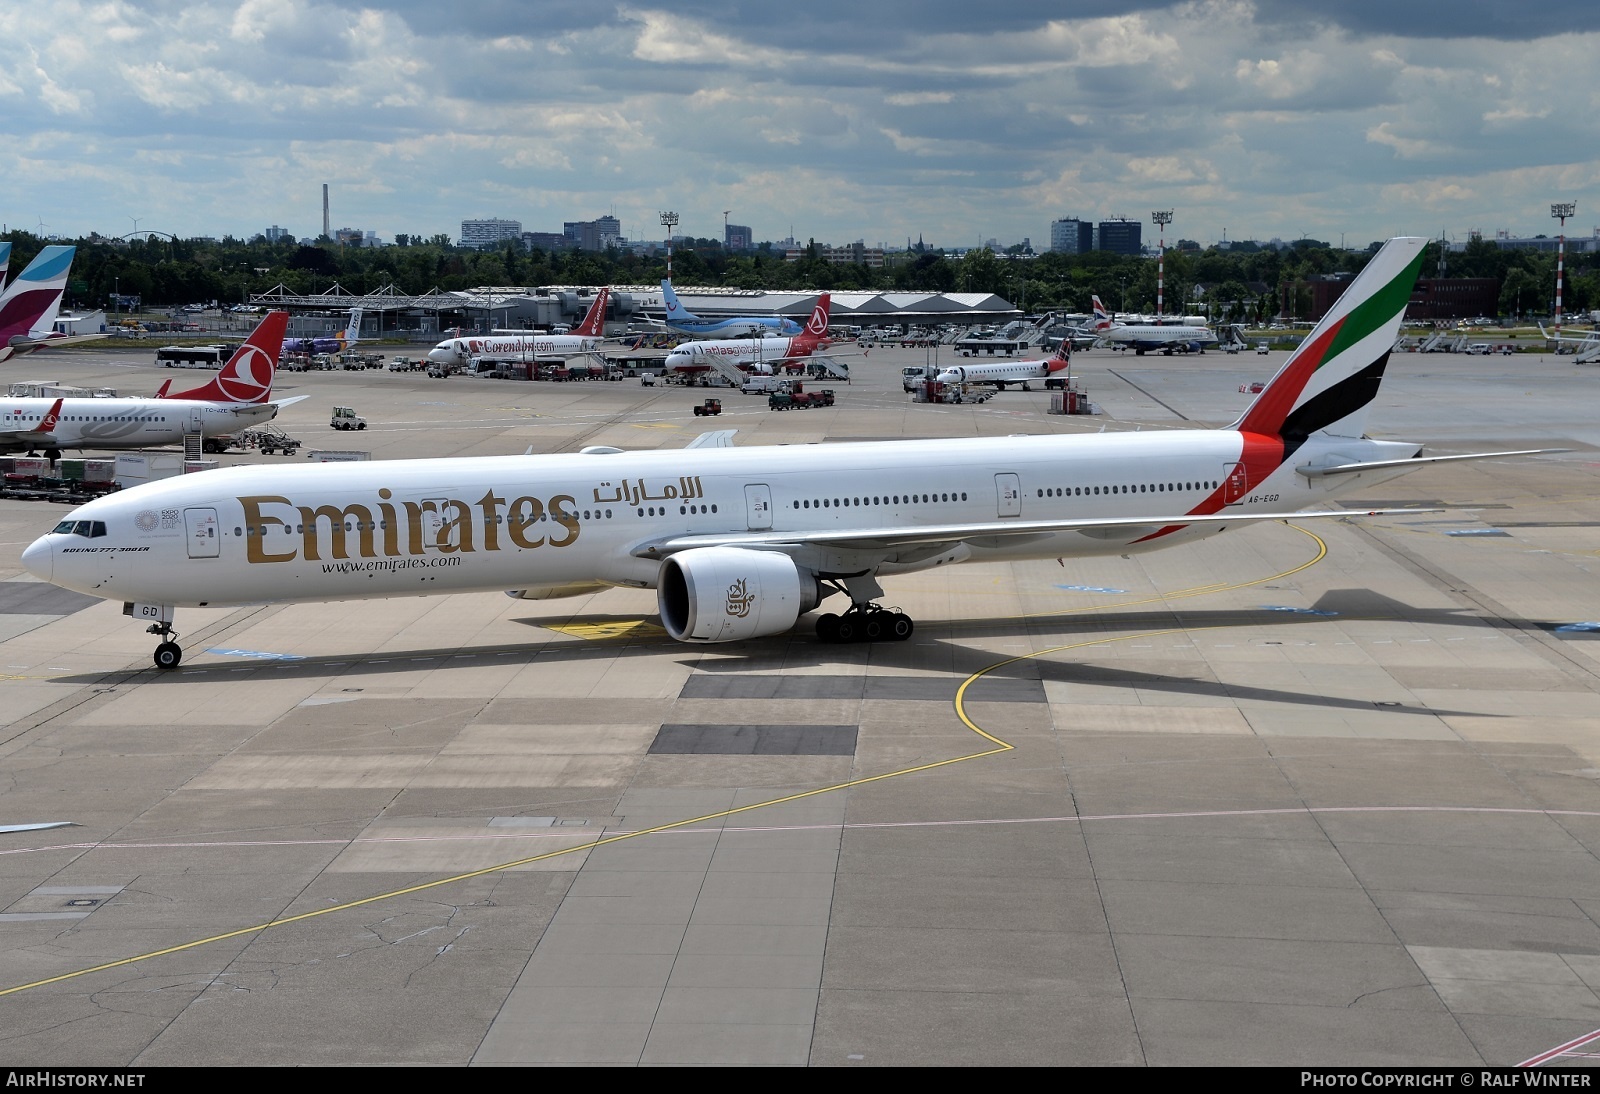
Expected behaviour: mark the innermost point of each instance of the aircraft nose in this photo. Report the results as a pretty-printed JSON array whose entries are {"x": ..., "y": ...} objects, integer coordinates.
[
  {"x": 40, "y": 559},
  {"x": 439, "y": 355}
]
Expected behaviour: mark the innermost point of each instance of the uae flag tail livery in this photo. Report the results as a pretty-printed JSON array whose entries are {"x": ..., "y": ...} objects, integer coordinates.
[
  {"x": 1328, "y": 384},
  {"x": 246, "y": 379}
]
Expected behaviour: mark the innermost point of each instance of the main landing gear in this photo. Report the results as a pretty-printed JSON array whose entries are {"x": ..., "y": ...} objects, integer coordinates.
[
  {"x": 864, "y": 621},
  {"x": 169, "y": 653}
]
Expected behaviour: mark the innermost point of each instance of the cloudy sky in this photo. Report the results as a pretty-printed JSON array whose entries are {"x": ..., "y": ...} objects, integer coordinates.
[{"x": 955, "y": 120}]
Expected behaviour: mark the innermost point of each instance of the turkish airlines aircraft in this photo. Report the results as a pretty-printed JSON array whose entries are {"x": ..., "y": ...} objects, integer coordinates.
[
  {"x": 584, "y": 338},
  {"x": 237, "y": 397},
  {"x": 1012, "y": 372},
  {"x": 740, "y": 542},
  {"x": 1165, "y": 337},
  {"x": 28, "y": 307},
  {"x": 756, "y": 354}
]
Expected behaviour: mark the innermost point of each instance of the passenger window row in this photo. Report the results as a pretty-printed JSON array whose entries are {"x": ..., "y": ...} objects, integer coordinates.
[
  {"x": 887, "y": 499},
  {"x": 1124, "y": 488}
]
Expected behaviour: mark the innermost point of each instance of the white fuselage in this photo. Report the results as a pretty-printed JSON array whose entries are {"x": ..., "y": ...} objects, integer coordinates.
[
  {"x": 418, "y": 527},
  {"x": 1163, "y": 336},
  {"x": 512, "y": 347},
  {"x": 1015, "y": 372},
  {"x": 112, "y": 424},
  {"x": 752, "y": 354}
]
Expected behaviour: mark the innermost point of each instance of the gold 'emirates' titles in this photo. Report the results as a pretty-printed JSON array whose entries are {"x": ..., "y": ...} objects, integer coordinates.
[{"x": 445, "y": 525}]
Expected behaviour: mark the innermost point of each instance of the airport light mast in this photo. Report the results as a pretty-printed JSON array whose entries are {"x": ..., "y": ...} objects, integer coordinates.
[
  {"x": 669, "y": 221},
  {"x": 1561, "y": 211},
  {"x": 1162, "y": 217}
]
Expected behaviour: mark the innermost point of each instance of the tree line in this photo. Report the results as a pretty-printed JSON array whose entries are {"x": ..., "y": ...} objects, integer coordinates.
[{"x": 1243, "y": 283}]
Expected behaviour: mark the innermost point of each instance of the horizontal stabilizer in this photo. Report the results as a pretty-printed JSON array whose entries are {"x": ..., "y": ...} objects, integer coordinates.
[
  {"x": 1379, "y": 465},
  {"x": 716, "y": 438}
]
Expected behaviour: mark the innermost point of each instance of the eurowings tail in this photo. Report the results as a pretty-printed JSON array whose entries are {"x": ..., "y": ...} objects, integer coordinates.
[
  {"x": 594, "y": 320},
  {"x": 28, "y": 308},
  {"x": 246, "y": 380},
  {"x": 5, "y": 262},
  {"x": 1328, "y": 383}
]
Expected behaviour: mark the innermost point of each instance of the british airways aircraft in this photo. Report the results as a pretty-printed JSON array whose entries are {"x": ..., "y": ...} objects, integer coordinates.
[
  {"x": 1143, "y": 337},
  {"x": 684, "y": 321},
  {"x": 739, "y": 543}
]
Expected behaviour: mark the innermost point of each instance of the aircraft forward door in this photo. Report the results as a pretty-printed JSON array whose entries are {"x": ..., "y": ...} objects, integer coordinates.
[
  {"x": 1008, "y": 488},
  {"x": 205, "y": 541},
  {"x": 194, "y": 424},
  {"x": 1235, "y": 483},
  {"x": 758, "y": 507}
]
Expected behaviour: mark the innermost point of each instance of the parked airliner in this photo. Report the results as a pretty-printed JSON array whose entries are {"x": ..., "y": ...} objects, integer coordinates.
[
  {"x": 28, "y": 307},
  {"x": 740, "y": 542},
  {"x": 755, "y": 354},
  {"x": 239, "y": 396},
  {"x": 1011, "y": 372},
  {"x": 1166, "y": 337},
  {"x": 583, "y": 339},
  {"x": 684, "y": 321},
  {"x": 345, "y": 339}
]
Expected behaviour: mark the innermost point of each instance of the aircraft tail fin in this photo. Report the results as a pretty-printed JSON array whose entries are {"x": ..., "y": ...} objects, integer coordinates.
[
  {"x": 669, "y": 300},
  {"x": 1102, "y": 318},
  {"x": 352, "y": 333},
  {"x": 5, "y": 262},
  {"x": 1328, "y": 383},
  {"x": 28, "y": 308},
  {"x": 594, "y": 320},
  {"x": 246, "y": 379},
  {"x": 816, "y": 328}
]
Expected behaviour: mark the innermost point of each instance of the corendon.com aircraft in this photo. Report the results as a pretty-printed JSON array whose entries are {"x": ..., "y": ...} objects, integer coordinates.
[
  {"x": 740, "y": 542},
  {"x": 756, "y": 354},
  {"x": 1012, "y": 372},
  {"x": 239, "y": 396},
  {"x": 582, "y": 339}
]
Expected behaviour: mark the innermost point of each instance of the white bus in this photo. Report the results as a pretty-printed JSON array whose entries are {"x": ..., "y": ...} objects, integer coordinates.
[{"x": 194, "y": 356}]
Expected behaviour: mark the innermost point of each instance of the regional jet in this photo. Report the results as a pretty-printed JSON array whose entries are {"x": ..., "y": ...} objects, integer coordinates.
[
  {"x": 1166, "y": 337},
  {"x": 1011, "y": 372},
  {"x": 239, "y": 396},
  {"x": 739, "y": 543}
]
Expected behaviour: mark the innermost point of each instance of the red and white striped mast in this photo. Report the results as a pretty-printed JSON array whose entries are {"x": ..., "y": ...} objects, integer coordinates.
[
  {"x": 1162, "y": 217},
  {"x": 1561, "y": 211}
]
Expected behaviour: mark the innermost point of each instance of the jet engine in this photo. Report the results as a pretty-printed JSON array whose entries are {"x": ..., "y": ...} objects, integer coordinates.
[{"x": 725, "y": 594}]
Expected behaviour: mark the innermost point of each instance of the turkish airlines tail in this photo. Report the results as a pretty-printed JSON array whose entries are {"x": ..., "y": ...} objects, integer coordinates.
[
  {"x": 594, "y": 320},
  {"x": 247, "y": 377}
]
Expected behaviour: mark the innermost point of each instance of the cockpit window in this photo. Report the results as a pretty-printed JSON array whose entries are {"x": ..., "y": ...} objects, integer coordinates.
[
  {"x": 89, "y": 529},
  {"x": 65, "y": 527}
]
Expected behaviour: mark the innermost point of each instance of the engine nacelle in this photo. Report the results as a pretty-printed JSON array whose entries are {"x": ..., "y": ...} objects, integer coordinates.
[
  {"x": 554, "y": 592},
  {"x": 725, "y": 594}
]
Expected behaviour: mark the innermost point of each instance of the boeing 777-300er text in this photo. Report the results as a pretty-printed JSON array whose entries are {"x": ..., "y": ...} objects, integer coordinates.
[
  {"x": 755, "y": 354},
  {"x": 1166, "y": 337},
  {"x": 684, "y": 321},
  {"x": 1012, "y": 372},
  {"x": 28, "y": 307},
  {"x": 239, "y": 396},
  {"x": 740, "y": 542},
  {"x": 583, "y": 339}
]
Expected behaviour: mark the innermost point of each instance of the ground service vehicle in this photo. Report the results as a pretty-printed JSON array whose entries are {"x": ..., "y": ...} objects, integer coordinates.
[
  {"x": 709, "y": 407},
  {"x": 346, "y": 418}
]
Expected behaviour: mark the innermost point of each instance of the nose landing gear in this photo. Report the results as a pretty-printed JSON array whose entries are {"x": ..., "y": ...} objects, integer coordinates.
[{"x": 168, "y": 653}]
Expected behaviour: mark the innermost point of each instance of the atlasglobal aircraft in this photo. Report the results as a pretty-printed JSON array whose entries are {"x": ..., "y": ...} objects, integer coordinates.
[
  {"x": 512, "y": 346},
  {"x": 1011, "y": 372},
  {"x": 239, "y": 396},
  {"x": 740, "y": 542},
  {"x": 756, "y": 354}
]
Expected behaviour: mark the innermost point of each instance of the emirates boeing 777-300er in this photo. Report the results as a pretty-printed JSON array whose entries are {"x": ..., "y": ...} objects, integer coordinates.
[{"x": 739, "y": 543}]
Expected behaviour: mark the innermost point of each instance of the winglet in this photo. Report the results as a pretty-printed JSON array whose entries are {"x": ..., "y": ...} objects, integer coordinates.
[{"x": 51, "y": 417}]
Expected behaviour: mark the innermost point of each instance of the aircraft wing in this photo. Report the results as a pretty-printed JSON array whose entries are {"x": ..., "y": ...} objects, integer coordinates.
[
  {"x": 716, "y": 438},
  {"x": 1313, "y": 472},
  {"x": 890, "y": 540},
  {"x": 22, "y": 344},
  {"x": 1589, "y": 336}
]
